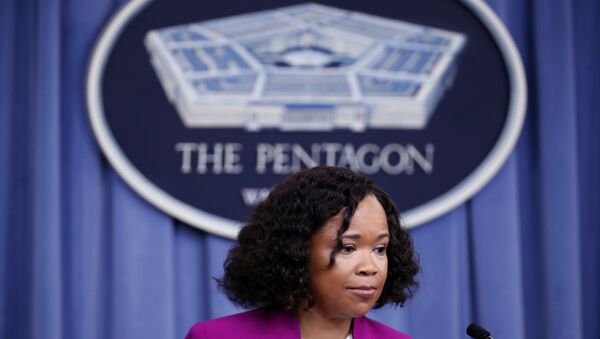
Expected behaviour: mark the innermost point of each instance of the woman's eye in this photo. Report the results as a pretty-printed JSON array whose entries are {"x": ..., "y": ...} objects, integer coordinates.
[
  {"x": 347, "y": 249},
  {"x": 380, "y": 249}
]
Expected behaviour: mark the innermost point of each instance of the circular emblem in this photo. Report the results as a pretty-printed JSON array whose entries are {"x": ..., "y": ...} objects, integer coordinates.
[{"x": 203, "y": 108}]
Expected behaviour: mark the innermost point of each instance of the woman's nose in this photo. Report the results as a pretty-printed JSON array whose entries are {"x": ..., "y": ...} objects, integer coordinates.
[{"x": 367, "y": 266}]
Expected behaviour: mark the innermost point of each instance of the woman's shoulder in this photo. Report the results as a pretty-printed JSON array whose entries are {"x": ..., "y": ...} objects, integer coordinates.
[
  {"x": 365, "y": 328},
  {"x": 258, "y": 324},
  {"x": 249, "y": 324}
]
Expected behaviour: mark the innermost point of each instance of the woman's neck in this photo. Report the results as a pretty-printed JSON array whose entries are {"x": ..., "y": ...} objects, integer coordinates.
[{"x": 314, "y": 325}]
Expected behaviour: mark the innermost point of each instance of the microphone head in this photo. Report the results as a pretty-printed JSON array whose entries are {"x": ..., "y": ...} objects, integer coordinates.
[{"x": 478, "y": 332}]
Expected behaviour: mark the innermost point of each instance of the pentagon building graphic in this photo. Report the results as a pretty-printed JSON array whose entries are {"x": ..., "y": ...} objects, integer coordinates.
[{"x": 305, "y": 68}]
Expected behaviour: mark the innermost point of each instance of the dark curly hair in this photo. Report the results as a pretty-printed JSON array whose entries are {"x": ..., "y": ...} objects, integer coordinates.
[{"x": 268, "y": 268}]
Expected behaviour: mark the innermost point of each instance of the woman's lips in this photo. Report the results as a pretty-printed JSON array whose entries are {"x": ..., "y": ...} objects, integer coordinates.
[{"x": 363, "y": 291}]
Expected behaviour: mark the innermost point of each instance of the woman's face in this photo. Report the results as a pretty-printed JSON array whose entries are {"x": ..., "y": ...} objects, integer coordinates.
[{"x": 353, "y": 284}]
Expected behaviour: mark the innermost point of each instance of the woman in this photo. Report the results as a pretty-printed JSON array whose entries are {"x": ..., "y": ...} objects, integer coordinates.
[{"x": 324, "y": 248}]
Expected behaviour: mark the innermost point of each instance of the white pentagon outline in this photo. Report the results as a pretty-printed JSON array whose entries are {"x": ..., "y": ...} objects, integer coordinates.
[{"x": 228, "y": 228}]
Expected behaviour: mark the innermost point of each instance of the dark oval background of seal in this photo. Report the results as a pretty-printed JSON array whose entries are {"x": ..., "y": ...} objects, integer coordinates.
[{"x": 464, "y": 127}]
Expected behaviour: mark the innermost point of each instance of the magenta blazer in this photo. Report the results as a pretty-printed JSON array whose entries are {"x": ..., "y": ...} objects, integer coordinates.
[{"x": 279, "y": 325}]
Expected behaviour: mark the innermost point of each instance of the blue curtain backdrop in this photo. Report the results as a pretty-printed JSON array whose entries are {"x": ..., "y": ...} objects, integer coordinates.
[{"x": 82, "y": 256}]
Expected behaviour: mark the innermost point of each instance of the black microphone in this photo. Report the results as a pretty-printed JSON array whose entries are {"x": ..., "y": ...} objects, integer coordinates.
[{"x": 478, "y": 332}]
